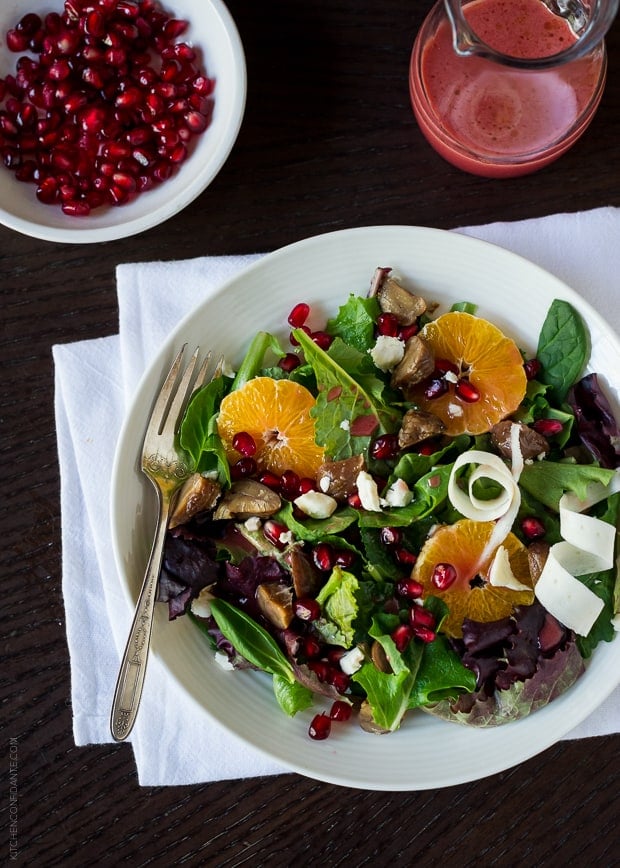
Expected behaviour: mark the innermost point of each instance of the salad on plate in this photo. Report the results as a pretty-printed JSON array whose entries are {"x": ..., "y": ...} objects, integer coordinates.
[{"x": 401, "y": 510}]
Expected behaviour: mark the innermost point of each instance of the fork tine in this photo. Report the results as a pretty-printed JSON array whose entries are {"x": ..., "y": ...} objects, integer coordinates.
[
  {"x": 158, "y": 413},
  {"x": 183, "y": 391},
  {"x": 202, "y": 373}
]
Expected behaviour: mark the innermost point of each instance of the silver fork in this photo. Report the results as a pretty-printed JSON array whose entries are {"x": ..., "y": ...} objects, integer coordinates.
[{"x": 167, "y": 469}]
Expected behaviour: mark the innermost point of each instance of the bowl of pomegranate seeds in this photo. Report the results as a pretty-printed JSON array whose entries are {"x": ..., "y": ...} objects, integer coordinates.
[
  {"x": 375, "y": 590},
  {"x": 114, "y": 114}
]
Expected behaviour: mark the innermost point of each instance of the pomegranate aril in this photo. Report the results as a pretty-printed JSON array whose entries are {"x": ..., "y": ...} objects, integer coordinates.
[
  {"x": 354, "y": 500},
  {"x": 532, "y": 528},
  {"x": 289, "y": 485},
  {"x": 467, "y": 392},
  {"x": 322, "y": 340},
  {"x": 246, "y": 466},
  {"x": 340, "y": 711},
  {"x": 16, "y": 40},
  {"x": 338, "y": 679},
  {"x": 410, "y": 589},
  {"x": 344, "y": 558},
  {"x": 270, "y": 480},
  {"x": 385, "y": 447},
  {"x": 76, "y": 209},
  {"x": 29, "y": 23},
  {"x": 402, "y": 636},
  {"x": 306, "y": 609},
  {"x": 320, "y": 727},
  {"x": 548, "y": 427},
  {"x": 244, "y": 443},
  {"x": 425, "y": 634},
  {"x": 421, "y": 617},
  {"x": 391, "y": 536},
  {"x": 320, "y": 668},
  {"x": 47, "y": 191},
  {"x": 298, "y": 315},
  {"x": 323, "y": 557},
  {"x": 306, "y": 484},
  {"x": 276, "y": 532},
  {"x": 444, "y": 576},
  {"x": 444, "y": 366},
  {"x": 405, "y": 557},
  {"x": 532, "y": 368},
  {"x": 435, "y": 388},
  {"x": 406, "y": 332},
  {"x": 387, "y": 325},
  {"x": 311, "y": 647},
  {"x": 289, "y": 362}
]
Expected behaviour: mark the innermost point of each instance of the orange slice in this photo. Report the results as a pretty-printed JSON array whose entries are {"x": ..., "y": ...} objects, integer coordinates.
[
  {"x": 487, "y": 359},
  {"x": 276, "y": 413},
  {"x": 462, "y": 545}
]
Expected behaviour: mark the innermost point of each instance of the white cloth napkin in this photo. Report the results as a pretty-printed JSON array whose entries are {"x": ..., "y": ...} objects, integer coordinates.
[{"x": 95, "y": 381}]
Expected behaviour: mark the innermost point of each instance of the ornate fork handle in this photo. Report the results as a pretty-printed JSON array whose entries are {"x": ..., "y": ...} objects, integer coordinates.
[{"x": 133, "y": 665}]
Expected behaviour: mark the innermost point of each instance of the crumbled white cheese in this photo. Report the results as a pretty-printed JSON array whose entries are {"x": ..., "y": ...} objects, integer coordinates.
[
  {"x": 316, "y": 504},
  {"x": 200, "y": 606},
  {"x": 222, "y": 660},
  {"x": 451, "y": 377},
  {"x": 345, "y": 425},
  {"x": 286, "y": 538},
  {"x": 455, "y": 409},
  {"x": 368, "y": 492},
  {"x": 352, "y": 661},
  {"x": 398, "y": 494},
  {"x": 253, "y": 523},
  {"x": 387, "y": 352},
  {"x": 210, "y": 474}
]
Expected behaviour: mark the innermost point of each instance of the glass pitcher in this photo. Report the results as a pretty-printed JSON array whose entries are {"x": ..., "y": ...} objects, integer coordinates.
[{"x": 502, "y": 87}]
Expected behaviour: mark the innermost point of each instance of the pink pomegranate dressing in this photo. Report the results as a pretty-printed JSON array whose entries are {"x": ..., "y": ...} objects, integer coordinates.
[{"x": 496, "y": 111}]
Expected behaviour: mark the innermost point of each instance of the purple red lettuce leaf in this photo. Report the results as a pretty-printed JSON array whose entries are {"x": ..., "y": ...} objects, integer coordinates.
[{"x": 595, "y": 421}]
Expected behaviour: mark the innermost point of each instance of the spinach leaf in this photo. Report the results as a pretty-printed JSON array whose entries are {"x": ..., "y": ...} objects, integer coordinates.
[
  {"x": 562, "y": 348},
  {"x": 198, "y": 432},
  {"x": 347, "y": 413},
  {"x": 251, "y": 640},
  {"x": 441, "y": 675}
]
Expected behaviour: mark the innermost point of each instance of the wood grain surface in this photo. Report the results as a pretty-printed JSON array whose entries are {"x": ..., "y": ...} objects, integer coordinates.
[{"x": 328, "y": 142}]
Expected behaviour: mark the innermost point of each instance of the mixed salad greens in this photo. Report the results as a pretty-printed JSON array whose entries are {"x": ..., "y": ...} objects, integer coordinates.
[{"x": 319, "y": 581}]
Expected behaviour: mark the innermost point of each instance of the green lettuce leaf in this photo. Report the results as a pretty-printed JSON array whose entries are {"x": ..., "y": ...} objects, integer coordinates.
[
  {"x": 547, "y": 481},
  {"x": 355, "y": 322},
  {"x": 388, "y": 694},
  {"x": 339, "y": 606}
]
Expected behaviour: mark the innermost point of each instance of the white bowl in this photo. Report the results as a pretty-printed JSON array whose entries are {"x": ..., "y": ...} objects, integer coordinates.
[
  {"x": 426, "y": 752},
  {"x": 213, "y": 32}
]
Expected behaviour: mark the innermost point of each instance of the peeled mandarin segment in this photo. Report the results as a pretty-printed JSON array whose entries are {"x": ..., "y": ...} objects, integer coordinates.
[
  {"x": 462, "y": 545},
  {"x": 276, "y": 413},
  {"x": 491, "y": 361}
]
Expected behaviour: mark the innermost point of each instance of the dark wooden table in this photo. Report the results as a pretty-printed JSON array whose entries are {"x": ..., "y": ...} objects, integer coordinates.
[{"x": 328, "y": 142}]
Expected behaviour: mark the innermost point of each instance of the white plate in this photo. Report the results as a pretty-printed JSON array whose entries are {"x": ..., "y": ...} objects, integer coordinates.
[
  {"x": 213, "y": 33},
  {"x": 512, "y": 292}
]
